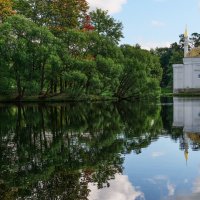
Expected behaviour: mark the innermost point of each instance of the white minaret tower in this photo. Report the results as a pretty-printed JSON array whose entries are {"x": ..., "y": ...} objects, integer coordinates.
[{"x": 186, "y": 42}]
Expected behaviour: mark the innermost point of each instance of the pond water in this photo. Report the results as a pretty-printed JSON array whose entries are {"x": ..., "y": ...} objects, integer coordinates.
[{"x": 101, "y": 151}]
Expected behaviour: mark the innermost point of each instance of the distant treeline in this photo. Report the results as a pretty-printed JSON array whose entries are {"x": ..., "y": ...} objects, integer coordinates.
[{"x": 48, "y": 48}]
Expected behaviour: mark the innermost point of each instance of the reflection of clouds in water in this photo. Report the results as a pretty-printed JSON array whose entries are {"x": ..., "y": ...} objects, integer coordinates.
[
  {"x": 189, "y": 197},
  {"x": 192, "y": 197},
  {"x": 196, "y": 187},
  {"x": 157, "y": 154},
  {"x": 186, "y": 181},
  {"x": 195, "y": 192},
  {"x": 161, "y": 178},
  {"x": 171, "y": 189},
  {"x": 120, "y": 189}
]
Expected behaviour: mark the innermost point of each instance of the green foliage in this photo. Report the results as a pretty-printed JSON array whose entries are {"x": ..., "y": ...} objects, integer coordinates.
[
  {"x": 141, "y": 75},
  {"x": 26, "y": 49},
  {"x": 76, "y": 81},
  {"x": 6, "y": 81},
  {"x": 195, "y": 40},
  {"x": 109, "y": 73},
  {"x": 106, "y": 25},
  {"x": 48, "y": 53},
  {"x": 168, "y": 57},
  {"x": 57, "y": 15}
]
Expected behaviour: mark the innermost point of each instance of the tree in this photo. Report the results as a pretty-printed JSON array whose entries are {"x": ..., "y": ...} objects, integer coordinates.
[
  {"x": 68, "y": 13},
  {"x": 195, "y": 39},
  {"x": 96, "y": 57},
  {"x": 57, "y": 15},
  {"x": 26, "y": 50},
  {"x": 56, "y": 48},
  {"x": 87, "y": 24},
  {"x": 6, "y": 79},
  {"x": 6, "y": 9},
  {"x": 176, "y": 58},
  {"x": 164, "y": 55},
  {"x": 141, "y": 74},
  {"x": 109, "y": 73},
  {"x": 76, "y": 81},
  {"x": 168, "y": 57},
  {"x": 106, "y": 25}
]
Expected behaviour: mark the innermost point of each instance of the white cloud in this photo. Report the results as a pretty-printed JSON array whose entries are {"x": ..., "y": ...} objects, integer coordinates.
[
  {"x": 162, "y": 179},
  {"x": 153, "y": 44},
  {"x": 157, "y": 24},
  {"x": 157, "y": 154},
  {"x": 113, "y": 6},
  {"x": 120, "y": 189}
]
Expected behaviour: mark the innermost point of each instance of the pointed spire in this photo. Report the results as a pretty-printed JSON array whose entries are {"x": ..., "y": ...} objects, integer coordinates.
[
  {"x": 186, "y": 42},
  {"x": 186, "y": 32}
]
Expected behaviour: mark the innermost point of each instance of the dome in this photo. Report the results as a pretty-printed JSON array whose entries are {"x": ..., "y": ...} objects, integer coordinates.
[{"x": 195, "y": 52}]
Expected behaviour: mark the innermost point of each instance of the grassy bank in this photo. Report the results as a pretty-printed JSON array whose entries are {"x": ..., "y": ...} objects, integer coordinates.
[
  {"x": 166, "y": 92},
  {"x": 187, "y": 94}
]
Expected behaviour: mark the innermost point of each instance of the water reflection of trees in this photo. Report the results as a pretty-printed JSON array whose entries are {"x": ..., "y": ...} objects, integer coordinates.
[
  {"x": 54, "y": 151},
  {"x": 142, "y": 124}
]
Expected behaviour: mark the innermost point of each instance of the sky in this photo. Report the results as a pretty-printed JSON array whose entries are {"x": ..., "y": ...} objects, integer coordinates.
[{"x": 153, "y": 23}]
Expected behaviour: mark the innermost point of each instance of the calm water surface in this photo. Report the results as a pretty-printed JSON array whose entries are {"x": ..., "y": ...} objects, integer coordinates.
[{"x": 126, "y": 151}]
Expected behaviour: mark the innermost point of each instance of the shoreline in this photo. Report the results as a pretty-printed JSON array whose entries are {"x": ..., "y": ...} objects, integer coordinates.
[
  {"x": 63, "y": 98},
  {"x": 58, "y": 98}
]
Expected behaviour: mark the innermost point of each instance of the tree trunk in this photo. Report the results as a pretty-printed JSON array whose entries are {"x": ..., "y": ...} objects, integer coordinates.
[
  {"x": 51, "y": 87},
  {"x": 61, "y": 85},
  {"x": 55, "y": 86},
  {"x": 42, "y": 80}
]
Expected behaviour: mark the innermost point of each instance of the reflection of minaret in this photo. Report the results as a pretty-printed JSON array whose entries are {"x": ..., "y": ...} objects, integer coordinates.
[
  {"x": 186, "y": 42},
  {"x": 186, "y": 155},
  {"x": 186, "y": 147}
]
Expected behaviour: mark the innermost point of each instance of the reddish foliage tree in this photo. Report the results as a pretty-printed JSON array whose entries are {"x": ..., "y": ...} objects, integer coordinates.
[{"x": 87, "y": 25}]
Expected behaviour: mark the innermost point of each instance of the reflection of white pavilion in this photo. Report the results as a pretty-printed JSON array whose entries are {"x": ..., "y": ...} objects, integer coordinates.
[{"x": 186, "y": 114}]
